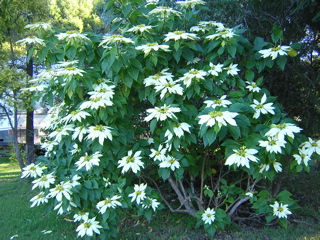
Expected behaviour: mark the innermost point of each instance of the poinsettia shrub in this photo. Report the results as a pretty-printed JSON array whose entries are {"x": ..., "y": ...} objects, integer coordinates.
[{"x": 166, "y": 110}]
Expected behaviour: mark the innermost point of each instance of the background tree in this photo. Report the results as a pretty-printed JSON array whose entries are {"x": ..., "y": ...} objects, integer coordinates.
[
  {"x": 14, "y": 15},
  {"x": 11, "y": 83},
  {"x": 75, "y": 15}
]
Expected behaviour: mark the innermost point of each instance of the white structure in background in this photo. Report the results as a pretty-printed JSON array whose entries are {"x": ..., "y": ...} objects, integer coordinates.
[{"x": 6, "y": 132}]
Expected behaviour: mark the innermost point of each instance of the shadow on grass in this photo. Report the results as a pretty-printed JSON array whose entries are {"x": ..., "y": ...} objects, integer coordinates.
[
  {"x": 4, "y": 160},
  {"x": 9, "y": 176}
]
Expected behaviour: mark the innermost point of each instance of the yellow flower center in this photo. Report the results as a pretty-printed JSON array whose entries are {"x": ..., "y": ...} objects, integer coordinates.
[
  {"x": 169, "y": 85},
  {"x": 75, "y": 112},
  {"x": 152, "y": 44},
  {"x": 163, "y": 110},
  {"x": 98, "y": 128},
  {"x": 87, "y": 158},
  {"x": 97, "y": 99},
  {"x": 281, "y": 126},
  {"x": 70, "y": 32},
  {"x": 179, "y": 32},
  {"x": 59, "y": 188},
  {"x": 70, "y": 68},
  {"x": 103, "y": 90},
  {"x": 272, "y": 142},
  {"x": 275, "y": 49},
  {"x": 40, "y": 196},
  {"x": 87, "y": 225},
  {"x": 116, "y": 36},
  {"x": 130, "y": 159},
  {"x": 217, "y": 101},
  {"x": 259, "y": 106},
  {"x": 171, "y": 161},
  {"x": 43, "y": 178},
  {"x": 215, "y": 114}
]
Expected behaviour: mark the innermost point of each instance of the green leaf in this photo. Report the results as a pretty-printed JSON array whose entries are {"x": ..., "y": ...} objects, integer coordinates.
[
  {"x": 232, "y": 49},
  {"x": 283, "y": 222},
  {"x": 133, "y": 72},
  {"x": 236, "y": 94},
  {"x": 249, "y": 75},
  {"x": 210, "y": 229},
  {"x": 234, "y": 131},
  {"x": 71, "y": 52},
  {"x": 153, "y": 125},
  {"x": 164, "y": 173},
  {"x": 128, "y": 80},
  {"x": 209, "y": 137},
  {"x": 281, "y": 61},
  {"x": 277, "y": 34}
]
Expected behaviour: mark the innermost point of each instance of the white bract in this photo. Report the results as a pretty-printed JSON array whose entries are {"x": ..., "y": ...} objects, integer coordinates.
[
  {"x": 131, "y": 162},
  {"x": 242, "y": 157},
  {"x": 158, "y": 155},
  {"x": 220, "y": 102},
  {"x": 151, "y": 202},
  {"x": 32, "y": 170},
  {"x": 253, "y": 87},
  {"x": 89, "y": 161},
  {"x": 73, "y": 38},
  {"x": 147, "y": 48},
  {"x": 274, "y": 52},
  {"x": 164, "y": 12},
  {"x": 61, "y": 190},
  {"x": 280, "y": 210},
  {"x": 44, "y": 181},
  {"x": 232, "y": 69},
  {"x": 39, "y": 199},
  {"x": 279, "y": 131},
  {"x": 140, "y": 28},
  {"x": 112, "y": 202},
  {"x": 162, "y": 113},
  {"x": 88, "y": 227},
  {"x": 192, "y": 75},
  {"x": 273, "y": 144},
  {"x": 215, "y": 69},
  {"x": 302, "y": 157},
  {"x": 262, "y": 107},
  {"x": 180, "y": 35},
  {"x": 170, "y": 162},
  {"x": 170, "y": 87},
  {"x": 311, "y": 146},
  {"x": 190, "y": 3},
  {"x": 81, "y": 216},
  {"x": 32, "y": 40},
  {"x": 100, "y": 132},
  {"x": 115, "y": 39},
  {"x": 208, "y": 216},
  {"x": 221, "y": 118},
  {"x": 139, "y": 193}
]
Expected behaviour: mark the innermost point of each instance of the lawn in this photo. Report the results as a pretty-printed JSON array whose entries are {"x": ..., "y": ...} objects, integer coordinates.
[{"x": 19, "y": 221}]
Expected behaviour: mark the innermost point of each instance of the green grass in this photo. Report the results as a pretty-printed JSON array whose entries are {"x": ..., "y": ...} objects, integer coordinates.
[{"x": 18, "y": 219}]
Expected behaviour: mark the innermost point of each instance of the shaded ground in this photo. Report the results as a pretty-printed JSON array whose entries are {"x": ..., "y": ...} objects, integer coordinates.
[{"x": 304, "y": 224}]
